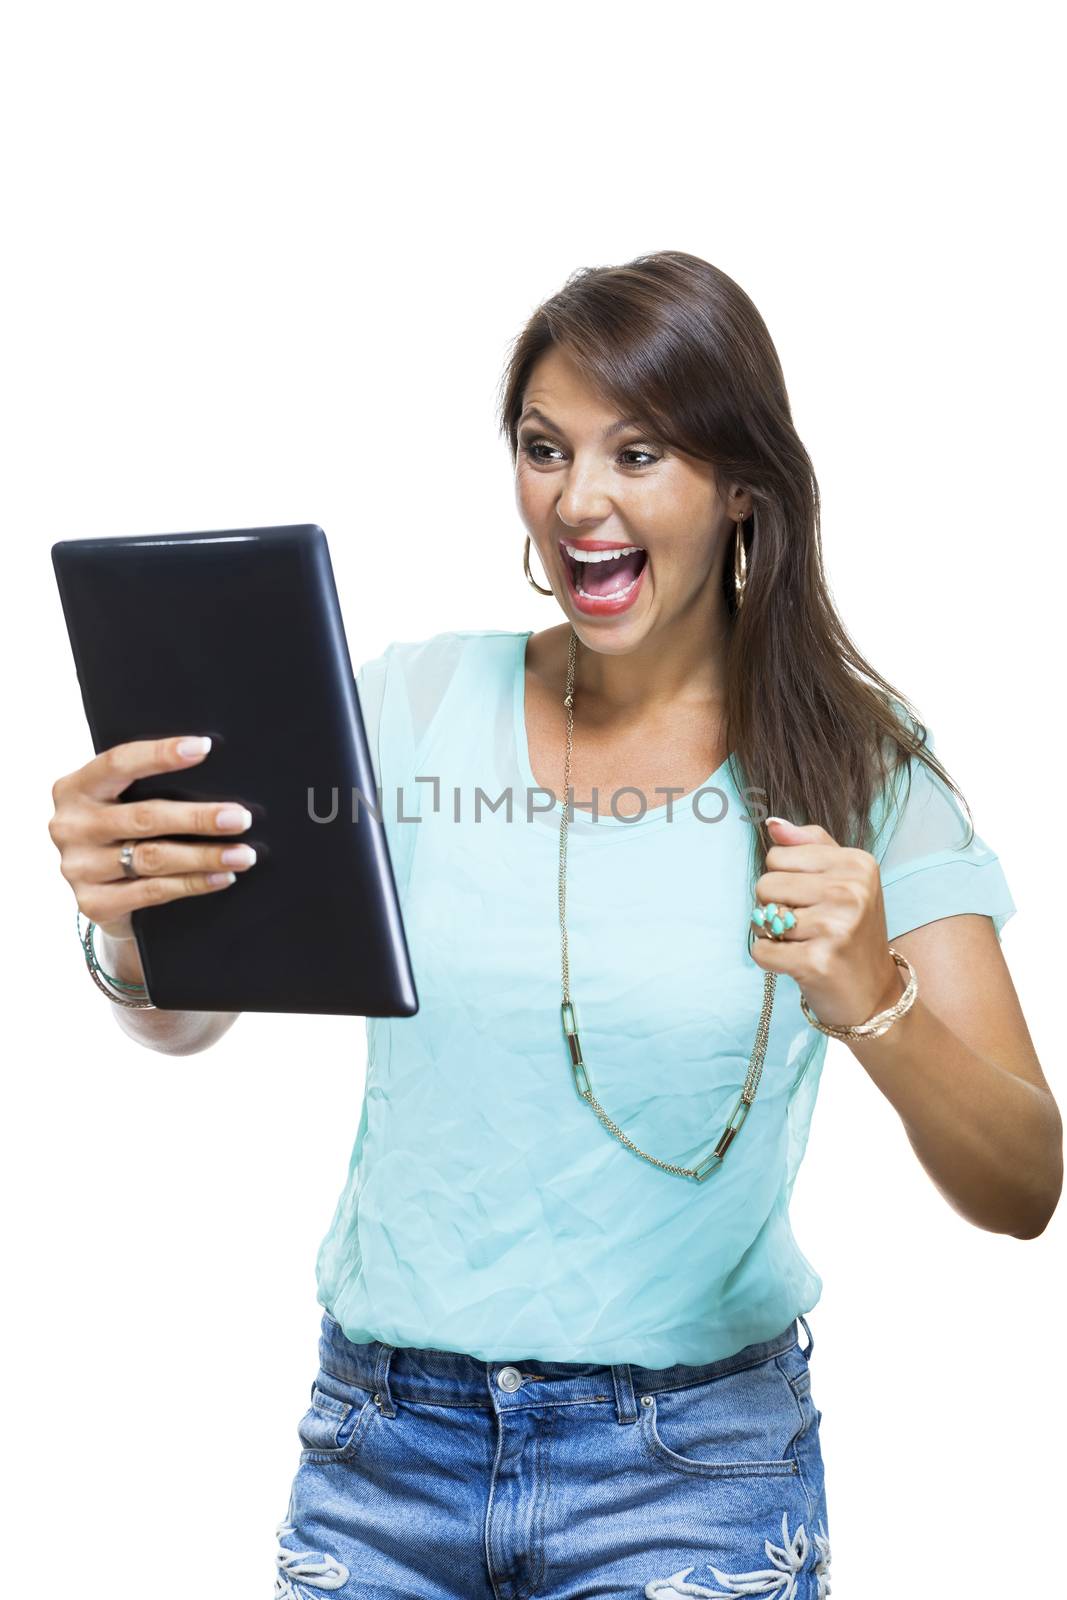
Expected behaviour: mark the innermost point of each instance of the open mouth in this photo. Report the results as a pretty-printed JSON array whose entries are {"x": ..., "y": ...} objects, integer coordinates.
[{"x": 605, "y": 574}]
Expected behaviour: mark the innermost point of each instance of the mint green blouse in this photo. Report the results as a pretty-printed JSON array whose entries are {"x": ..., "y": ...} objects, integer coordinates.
[{"x": 486, "y": 1209}]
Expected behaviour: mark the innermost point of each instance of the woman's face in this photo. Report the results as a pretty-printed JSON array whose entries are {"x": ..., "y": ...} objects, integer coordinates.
[{"x": 588, "y": 479}]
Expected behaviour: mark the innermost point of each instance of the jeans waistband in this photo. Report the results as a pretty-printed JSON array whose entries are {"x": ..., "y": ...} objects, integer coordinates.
[{"x": 450, "y": 1378}]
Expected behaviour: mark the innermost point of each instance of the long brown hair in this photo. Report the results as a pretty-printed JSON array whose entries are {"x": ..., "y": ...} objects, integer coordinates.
[{"x": 672, "y": 340}]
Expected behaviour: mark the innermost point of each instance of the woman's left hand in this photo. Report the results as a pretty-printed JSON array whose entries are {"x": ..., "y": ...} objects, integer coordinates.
[{"x": 838, "y": 949}]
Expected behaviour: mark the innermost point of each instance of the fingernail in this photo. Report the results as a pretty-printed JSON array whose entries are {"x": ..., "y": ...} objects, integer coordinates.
[
  {"x": 195, "y": 747},
  {"x": 233, "y": 817},
  {"x": 238, "y": 855},
  {"x": 215, "y": 878},
  {"x": 780, "y": 819}
]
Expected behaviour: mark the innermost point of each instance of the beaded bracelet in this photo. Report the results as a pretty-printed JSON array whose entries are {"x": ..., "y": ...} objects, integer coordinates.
[{"x": 97, "y": 973}]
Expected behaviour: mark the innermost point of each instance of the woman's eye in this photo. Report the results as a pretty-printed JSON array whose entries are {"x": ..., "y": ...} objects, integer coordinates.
[
  {"x": 531, "y": 448},
  {"x": 534, "y": 446}
]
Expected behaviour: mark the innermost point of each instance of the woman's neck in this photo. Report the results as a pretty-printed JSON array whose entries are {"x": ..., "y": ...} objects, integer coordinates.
[{"x": 684, "y": 664}]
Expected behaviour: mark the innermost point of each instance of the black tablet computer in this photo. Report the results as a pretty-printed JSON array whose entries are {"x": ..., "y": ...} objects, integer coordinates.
[{"x": 238, "y": 634}]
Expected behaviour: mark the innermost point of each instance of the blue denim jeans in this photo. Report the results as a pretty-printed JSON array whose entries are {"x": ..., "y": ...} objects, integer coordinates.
[{"x": 428, "y": 1473}]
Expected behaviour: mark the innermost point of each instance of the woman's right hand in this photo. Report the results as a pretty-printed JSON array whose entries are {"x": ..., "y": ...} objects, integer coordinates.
[{"x": 89, "y": 826}]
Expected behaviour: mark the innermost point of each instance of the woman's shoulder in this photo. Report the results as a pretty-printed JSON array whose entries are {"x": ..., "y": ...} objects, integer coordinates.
[
  {"x": 448, "y": 640},
  {"x": 413, "y": 681},
  {"x": 431, "y": 652},
  {"x": 437, "y": 657}
]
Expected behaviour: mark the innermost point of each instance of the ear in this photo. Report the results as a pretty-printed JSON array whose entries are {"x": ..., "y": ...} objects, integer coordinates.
[{"x": 739, "y": 503}]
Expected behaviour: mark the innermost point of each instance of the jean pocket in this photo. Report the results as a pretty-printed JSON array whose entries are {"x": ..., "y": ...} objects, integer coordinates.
[
  {"x": 332, "y": 1428},
  {"x": 794, "y": 1364},
  {"x": 743, "y": 1424}
]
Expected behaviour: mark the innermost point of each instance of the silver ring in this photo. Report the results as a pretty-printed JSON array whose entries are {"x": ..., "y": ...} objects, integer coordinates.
[{"x": 126, "y": 861}]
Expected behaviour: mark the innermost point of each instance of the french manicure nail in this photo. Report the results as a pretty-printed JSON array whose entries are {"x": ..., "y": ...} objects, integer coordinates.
[
  {"x": 215, "y": 878},
  {"x": 238, "y": 855},
  {"x": 195, "y": 747},
  {"x": 233, "y": 817}
]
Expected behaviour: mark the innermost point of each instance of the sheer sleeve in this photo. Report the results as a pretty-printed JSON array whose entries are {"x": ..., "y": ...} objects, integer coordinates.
[
  {"x": 370, "y": 686},
  {"x": 928, "y": 869},
  {"x": 401, "y": 693},
  {"x": 426, "y": 671}
]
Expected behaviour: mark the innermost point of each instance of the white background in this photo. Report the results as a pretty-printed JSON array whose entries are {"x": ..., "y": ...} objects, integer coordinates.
[{"x": 262, "y": 265}]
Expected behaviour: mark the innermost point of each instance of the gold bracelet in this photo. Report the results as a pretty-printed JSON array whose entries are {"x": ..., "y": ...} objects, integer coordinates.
[{"x": 875, "y": 1026}]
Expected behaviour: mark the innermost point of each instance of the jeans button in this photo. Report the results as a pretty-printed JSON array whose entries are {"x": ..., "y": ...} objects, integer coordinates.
[{"x": 509, "y": 1378}]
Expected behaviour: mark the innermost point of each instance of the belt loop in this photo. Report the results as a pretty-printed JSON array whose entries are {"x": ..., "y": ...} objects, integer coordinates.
[
  {"x": 625, "y": 1404},
  {"x": 811, "y": 1339},
  {"x": 383, "y": 1399}
]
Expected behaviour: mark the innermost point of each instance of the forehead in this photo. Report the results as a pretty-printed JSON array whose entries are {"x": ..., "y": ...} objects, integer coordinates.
[
  {"x": 554, "y": 379},
  {"x": 559, "y": 393}
]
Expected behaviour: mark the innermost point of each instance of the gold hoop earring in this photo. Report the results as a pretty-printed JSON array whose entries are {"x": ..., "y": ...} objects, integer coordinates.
[
  {"x": 740, "y": 565},
  {"x": 530, "y": 579}
]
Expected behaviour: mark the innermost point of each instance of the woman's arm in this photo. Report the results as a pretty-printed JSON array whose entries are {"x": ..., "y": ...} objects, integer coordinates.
[
  {"x": 961, "y": 1071},
  {"x": 172, "y": 1033},
  {"x": 959, "y": 1066}
]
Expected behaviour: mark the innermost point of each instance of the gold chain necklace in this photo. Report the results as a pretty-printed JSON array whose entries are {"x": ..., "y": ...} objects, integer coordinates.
[{"x": 713, "y": 1160}]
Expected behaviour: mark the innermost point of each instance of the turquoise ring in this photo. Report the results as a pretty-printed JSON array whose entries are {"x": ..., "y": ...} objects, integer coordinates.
[{"x": 773, "y": 919}]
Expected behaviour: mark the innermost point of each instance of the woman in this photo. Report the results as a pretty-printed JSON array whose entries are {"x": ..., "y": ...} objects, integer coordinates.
[{"x": 560, "y": 1350}]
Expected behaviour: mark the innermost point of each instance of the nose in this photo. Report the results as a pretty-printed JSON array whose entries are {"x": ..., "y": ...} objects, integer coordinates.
[
  {"x": 584, "y": 500},
  {"x": 583, "y": 511}
]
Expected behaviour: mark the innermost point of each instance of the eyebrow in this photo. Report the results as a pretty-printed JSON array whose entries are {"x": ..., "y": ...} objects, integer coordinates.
[{"x": 609, "y": 432}]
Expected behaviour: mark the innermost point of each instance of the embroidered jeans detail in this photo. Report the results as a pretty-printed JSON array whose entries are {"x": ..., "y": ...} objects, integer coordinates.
[
  {"x": 822, "y": 1566},
  {"x": 312, "y": 1568},
  {"x": 779, "y": 1580}
]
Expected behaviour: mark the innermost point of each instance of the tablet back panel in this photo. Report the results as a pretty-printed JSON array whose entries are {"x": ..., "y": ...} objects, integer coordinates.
[{"x": 238, "y": 634}]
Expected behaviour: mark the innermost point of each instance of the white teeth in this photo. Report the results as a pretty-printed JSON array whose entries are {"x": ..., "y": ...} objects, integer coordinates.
[{"x": 601, "y": 555}]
